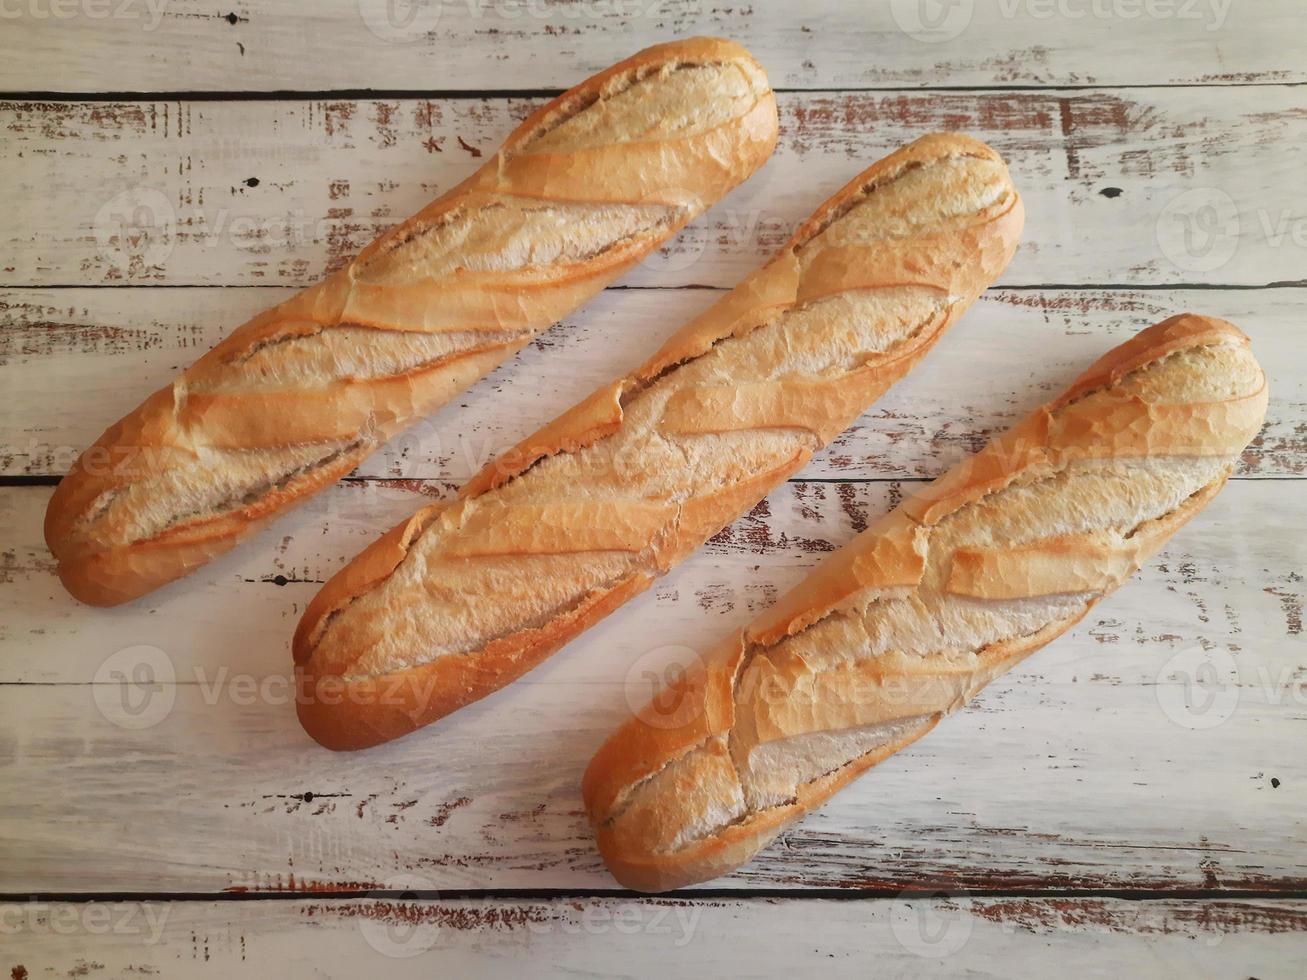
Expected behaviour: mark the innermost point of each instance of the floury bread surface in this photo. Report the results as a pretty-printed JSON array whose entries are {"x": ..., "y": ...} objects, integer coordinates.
[
  {"x": 924, "y": 608},
  {"x": 466, "y": 596},
  {"x": 293, "y": 400}
]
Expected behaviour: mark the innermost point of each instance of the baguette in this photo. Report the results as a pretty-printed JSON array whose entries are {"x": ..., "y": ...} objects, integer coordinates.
[
  {"x": 918, "y": 613},
  {"x": 467, "y": 596},
  {"x": 585, "y": 187}
]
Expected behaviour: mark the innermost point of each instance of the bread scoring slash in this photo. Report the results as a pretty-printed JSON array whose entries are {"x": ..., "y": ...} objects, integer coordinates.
[
  {"x": 466, "y": 596},
  {"x": 584, "y": 188},
  {"x": 918, "y": 613}
]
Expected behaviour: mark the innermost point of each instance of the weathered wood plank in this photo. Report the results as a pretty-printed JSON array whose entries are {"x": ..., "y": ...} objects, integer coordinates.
[
  {"x": 1087, "y": 768},
  {"x": 630, "y": 937},
  {"x": 147, "y": 45},
  {"x": 105, "y": 349},
  {"x": 1151, "y": 186}
]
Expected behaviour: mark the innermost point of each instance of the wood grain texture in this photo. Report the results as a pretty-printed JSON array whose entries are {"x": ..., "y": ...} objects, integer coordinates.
[
  {"x": 1155, "y": 746},
  {"x": 589, "y": 937},
  {"x": 1146, "y": 186},
  {"x": 108, "y": 348},
  {"x": 479, "y": 44}
]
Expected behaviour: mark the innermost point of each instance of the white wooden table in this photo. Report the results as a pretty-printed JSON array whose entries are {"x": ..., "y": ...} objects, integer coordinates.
[{"x": 1131, "y": 801}]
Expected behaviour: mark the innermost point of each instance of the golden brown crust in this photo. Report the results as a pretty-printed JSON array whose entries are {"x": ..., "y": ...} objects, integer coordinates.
[
  {"x": 937, "y": 551},
  {"x": 351, "y": 714},
  {"x": 735, "y": 845},
  {"x": 220, "y": 409},
  {"x": 965, "y": 263},
  {"x": 650, "y": 739},
  {"x": 893, "y": 558},
  {"x": 1061, "y": 431},
  {"x": 659, "y": 513}
]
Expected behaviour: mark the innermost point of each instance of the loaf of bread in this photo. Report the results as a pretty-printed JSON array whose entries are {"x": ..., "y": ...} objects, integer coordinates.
[
  {"x": 466, "y": 596},
  {"x": 297, "y": 397},
  {"x": 905, "y": 624}
]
